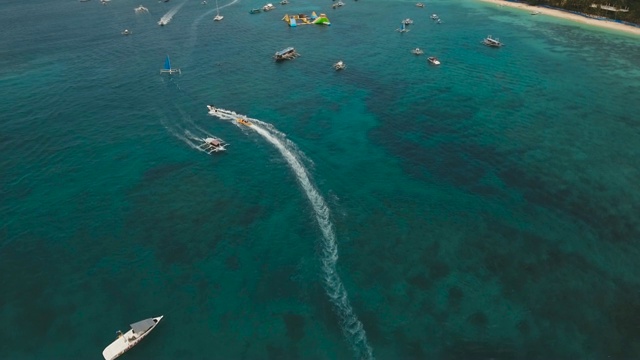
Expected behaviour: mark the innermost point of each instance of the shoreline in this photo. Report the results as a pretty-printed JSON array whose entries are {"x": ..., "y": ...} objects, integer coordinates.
[{"x": 569, "y": 16}]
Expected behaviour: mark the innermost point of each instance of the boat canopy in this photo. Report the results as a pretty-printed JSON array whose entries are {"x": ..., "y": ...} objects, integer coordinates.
[
  {"x": 287, "y": 50},
  {"x": 142, "y": 326}
]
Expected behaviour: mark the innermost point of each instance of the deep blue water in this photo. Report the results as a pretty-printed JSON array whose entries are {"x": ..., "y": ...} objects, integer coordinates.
[{"x": 483, "y": 209}]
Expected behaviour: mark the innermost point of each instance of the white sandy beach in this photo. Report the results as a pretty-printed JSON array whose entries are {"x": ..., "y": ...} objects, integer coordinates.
[{"x": 569, "y": 16}]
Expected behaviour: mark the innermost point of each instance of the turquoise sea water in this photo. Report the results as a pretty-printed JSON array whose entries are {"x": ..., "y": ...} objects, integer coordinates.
[{"x": 483, "y": 209}]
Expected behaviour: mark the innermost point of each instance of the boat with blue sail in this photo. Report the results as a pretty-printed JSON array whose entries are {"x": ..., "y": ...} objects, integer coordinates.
[{"x": 167, "y": 67}]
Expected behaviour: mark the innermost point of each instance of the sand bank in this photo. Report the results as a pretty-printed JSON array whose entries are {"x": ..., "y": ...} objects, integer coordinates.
[{"x": 569, "y": 16}]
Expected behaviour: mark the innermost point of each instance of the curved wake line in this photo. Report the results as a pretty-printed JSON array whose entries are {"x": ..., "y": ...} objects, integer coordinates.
[
  {"x": 351, "y": 326},
  {"x": 166, "y": 18}
]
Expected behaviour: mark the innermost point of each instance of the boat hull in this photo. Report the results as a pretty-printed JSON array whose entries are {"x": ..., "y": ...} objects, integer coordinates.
[{"x": 125, "y": 342}]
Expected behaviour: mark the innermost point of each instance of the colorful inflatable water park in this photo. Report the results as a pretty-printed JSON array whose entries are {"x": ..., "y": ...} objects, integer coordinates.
[{"x": 302, "y": 19}]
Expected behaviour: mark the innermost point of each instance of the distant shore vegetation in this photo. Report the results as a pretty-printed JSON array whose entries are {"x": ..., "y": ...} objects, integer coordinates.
[{"x": 623, "y": 10}]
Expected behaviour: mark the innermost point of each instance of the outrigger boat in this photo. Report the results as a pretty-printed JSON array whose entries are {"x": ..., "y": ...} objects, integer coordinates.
[
  {"x": 131, "y": 338},
  {"x": 417, "y": 51},
  {"x": 286, "y": 54},
  {"x": 211, "y": 145},
  {"x": 489, "y": 41},
  {"x": 403, "y": 28},
  {"x": 340, "y": 65}
]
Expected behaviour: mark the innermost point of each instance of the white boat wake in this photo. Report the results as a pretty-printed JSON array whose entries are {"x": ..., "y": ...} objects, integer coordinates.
[
  {"x": 166, "y": 18},
  {"x": 351, "y": 326},
  {"x": 189, "y": 133}
]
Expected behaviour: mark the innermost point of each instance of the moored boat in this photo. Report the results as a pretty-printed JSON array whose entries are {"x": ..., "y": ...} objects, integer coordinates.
[
  {"x": 434, "y": 17},
  {"x": 420, "y": 5},
  {"x": 126, "y": 32},
  {"x": 131, "y": 338},
  {"x": 417, "y": 51},
  {"x": 433, "y": 60},
  {"x": 490, "y": 41},
  {"x": 254, "y": 11},
  {"x": 286, "y": 54},
  {"x": 268, "y": 7},
  {"x": 340, "y": 65},
  {"x": 407, "y": 21}
]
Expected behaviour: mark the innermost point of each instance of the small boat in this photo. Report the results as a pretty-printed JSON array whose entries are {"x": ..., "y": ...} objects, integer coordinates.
[
  {"x": 403, "y": 28},
  {"x": 536, "y": 13},
  {"x": 162, "y": 22},
  {"x": 286, "y": 54},
  {"x": 126, "y": 32},
  {"x": 417, "y": 51},
  {"x": 434, "y": 17},
  {"x": 439, "y": 21},
  {"x": 340, "y": 65},
  {"x": 105, "y": 2},
  {"x": 212, "y": 144},
  {"x": 84, "y": 0},
  {"x": 141, "y": 9},
  {"x": 204, "y": 2},
  {"x": 131, "y": 338},
  {"x": 254, "y": 11},
  {"x": 433, "y": 60},
  {"x": 167, "y": 67},
  {"x": 420, "y": 5},
  {"x": 407, "y": 21},
  {"x": 218, "y": 17},
  {"x": 489, "y": 41},
  {"x": 268, "y": 7},
  {"x": 244, "y": 122},
  {"x": 284, "y": 2}
]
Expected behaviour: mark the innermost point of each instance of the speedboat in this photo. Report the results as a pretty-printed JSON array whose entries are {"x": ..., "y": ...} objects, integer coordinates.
[
  {"x": 340, "y": 65},
  {"x": 244, "y": 122},
  {"x": 417, "y": 51},
  {"x": 407, "y": 21},
  {"x": 162, "y": 23},
  {"x": 489, "y": 41},
  {"x": 284, "y": 2},
  {"x": 254, "y": 11},
  {"x": 268, "y": 7},
  {"x": 131, "y": 338},
  {"x": 420, "y": 5},
  {"x": 126, "y": 32},
  {"x": 433, "y": 60},
  {"x": 434, "y": 17},
  {"x": 211, "y": 145},
  {"x": 141, "y": 9}
]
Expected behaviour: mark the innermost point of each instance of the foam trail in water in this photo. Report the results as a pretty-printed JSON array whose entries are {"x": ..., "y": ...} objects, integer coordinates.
[
  {"x": 351, "y": 326},
  {"x": 166, "y": 18}
]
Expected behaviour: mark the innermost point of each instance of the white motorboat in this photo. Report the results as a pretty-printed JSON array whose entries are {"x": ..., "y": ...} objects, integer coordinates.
[
  {"x": 284, "y": 2},
  {"x": 126, "y": 32},
  {"x": 340, "y": 65},
  {"x": 434, "y": 17},
  {"x": 212, "y": 144},
  {"x": 407, "y": 21},
  {"x": 490, "y": 41},
  {"x": 417, "y": 51},
  {"x": 141, "y": 9},
  {"x": 433, "y": 60},
  {"x": 420, "y": 5},
  {"x": 268, "y": 7},
  {"x": 131, "y": 338},
  {"x": 218, "y": 17}
]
